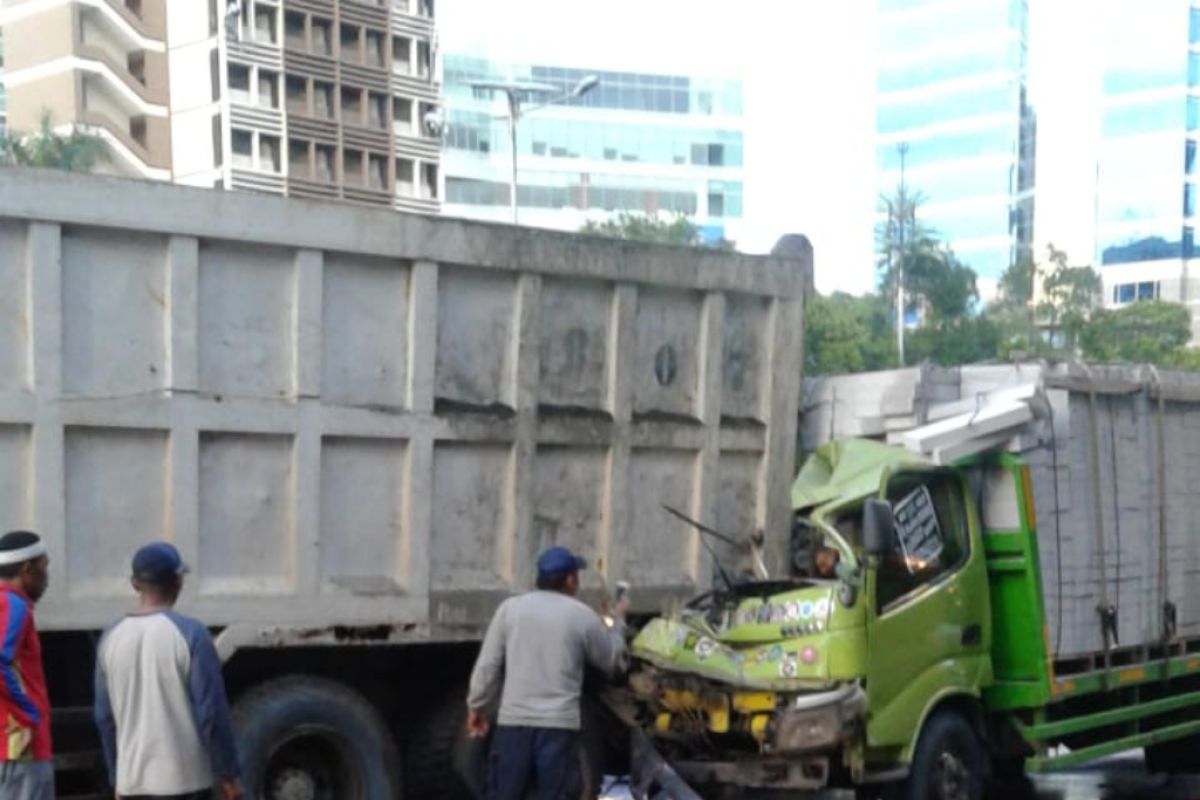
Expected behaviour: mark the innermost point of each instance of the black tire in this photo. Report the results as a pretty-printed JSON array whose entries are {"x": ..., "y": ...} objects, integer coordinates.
[
  {"x": 949, "y": 763},
  {"x": 303, "y": 736},
  {"x": 445, "y": 764},
  {"x": 1176, "y": 756}
]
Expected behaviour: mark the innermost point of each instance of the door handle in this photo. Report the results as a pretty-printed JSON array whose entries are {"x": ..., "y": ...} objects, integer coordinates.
[{"x": 972, "y": 634}]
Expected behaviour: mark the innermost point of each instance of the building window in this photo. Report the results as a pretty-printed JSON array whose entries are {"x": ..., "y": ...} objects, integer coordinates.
[
  {"x": 424, "y": 59},
  {"x": 137, "y": 129},
  {"x": 298, "y": 166},
  {"x": 242, "y": 143},
  {"x": 375, "y": 57},
  {"x": 429, "y": 181},
  {"x": 402, "y": 55},
  {"x": 405, "y": 170},
  {"x": 323, "y": 100},
  {"x": 268, "y": 153},
  {"x": 352, "y": 168},
  {"x": 239, "y": 84},
  {"x": 293, "y": 31},
  {"x": 402, "y": 109},
  {"x": 1130, "y": 292},
  {"x": 297, "y": 95},
  {"x": 1189, "y": 200},
  {"x": 377, "y": 109},
  {"x": 716, "y": 204},
  {"x": 264, "y": 24},
  {"x": 322, "y": 36},
  {"x": 352, "y": 106},
  {"x": 425, "y": 111},
  {"x": 377, "y": 172},
  {"x": 349, "y": 42},
  {"x": 136, "y": 64},
  {"x": 324, "y": 163},
  {"x": 268, "y": 89},
  {"x": 1189, "y": 157},
  {"x": 425, "y": 8}
]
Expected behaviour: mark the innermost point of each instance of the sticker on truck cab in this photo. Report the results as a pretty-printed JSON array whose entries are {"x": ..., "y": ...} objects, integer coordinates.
[{"x": 917, "y": 529}]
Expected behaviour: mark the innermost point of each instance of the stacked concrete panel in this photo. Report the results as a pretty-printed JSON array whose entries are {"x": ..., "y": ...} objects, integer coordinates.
[{"x": 1107, "y": 502}]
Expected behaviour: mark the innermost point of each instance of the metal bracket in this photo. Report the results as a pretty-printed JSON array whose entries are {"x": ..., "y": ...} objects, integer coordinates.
[
  {"x": 1170, "y": 621},
  {"x": 1108, "y": 625}
]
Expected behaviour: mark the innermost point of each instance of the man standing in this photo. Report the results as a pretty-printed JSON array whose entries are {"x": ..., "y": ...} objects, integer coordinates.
[
  {"x": 26, "y": 765},
  {"x": 541, "y": 641},
  {"x": 160, "y": 700}
]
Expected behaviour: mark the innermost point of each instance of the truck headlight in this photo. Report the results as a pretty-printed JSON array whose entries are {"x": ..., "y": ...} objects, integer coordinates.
[{"x": 813, "y": 722}]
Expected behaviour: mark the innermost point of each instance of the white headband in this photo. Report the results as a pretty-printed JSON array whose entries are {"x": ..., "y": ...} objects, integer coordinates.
[{"x": 26, "y": 553}]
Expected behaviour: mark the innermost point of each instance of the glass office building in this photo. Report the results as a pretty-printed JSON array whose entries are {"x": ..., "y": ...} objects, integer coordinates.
[
  {"x": 952, "y": 111},
  {"x": 643, "y": 143},
  {"x": 1150, "y": 115}
]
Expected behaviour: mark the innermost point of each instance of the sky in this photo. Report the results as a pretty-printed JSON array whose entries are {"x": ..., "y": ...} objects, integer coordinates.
[{"x": 808, "y": 74}]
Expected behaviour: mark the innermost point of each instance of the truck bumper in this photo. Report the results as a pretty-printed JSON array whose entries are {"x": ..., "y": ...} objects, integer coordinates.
[{"x": 796, "y": 772}]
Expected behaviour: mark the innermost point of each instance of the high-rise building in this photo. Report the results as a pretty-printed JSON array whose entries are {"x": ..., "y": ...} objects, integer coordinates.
[
  {"x": 645, "y": 143},
  {"x": 1146, "y": 164},
  {"x": 3, "y": 99},
  {"x": 97, "y": 64},
  {"x": 954, "y": 122},
  {"x": 317, "y": 98}
]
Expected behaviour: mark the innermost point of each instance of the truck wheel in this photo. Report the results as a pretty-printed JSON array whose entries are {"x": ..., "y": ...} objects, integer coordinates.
[
  {"x": 949, "y": 762},
  {"x": 308, "y": 738},
  {"x": 1175, "y": 756},
  {"x": 445, "y": 763}
]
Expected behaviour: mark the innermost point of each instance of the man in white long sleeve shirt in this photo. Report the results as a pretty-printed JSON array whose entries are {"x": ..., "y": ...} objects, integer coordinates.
[{"x": 538, "y": 645}]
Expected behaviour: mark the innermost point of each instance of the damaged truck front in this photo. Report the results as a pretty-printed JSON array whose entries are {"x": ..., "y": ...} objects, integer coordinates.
[
  {"x": 764, "y": 683},
  {"x": 926, "y": 640}
]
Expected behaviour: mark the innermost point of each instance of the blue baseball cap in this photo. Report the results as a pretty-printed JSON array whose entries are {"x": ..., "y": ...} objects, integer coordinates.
[
  {"x": 158, "y": 563},
  {"x": 558, "y": 560}
]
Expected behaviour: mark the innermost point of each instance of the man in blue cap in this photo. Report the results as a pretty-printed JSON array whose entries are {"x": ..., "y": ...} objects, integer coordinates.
[
  {"x": 160, "y": 698},
  {"x": 540, "y": 643}
]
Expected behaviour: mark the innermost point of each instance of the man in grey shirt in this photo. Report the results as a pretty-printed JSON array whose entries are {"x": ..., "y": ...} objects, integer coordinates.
[{"x": 537, "y": 646}]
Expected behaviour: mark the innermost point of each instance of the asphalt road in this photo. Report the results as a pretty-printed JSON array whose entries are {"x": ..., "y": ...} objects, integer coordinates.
[{"x": 1117, "y": 778}]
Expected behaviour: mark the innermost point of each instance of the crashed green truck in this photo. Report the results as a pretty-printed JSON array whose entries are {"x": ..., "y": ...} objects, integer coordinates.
[{"x": 929, "y": 636}]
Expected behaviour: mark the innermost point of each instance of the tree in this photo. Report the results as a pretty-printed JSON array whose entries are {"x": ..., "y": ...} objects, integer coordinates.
[
  {"x": 76, "y": 151},
  {"x": 1148, "y": 331},
  {"x": 844, "y": 333},
  {"x": 648, "y": 228},
  {"x": 1071, "y": 295}
]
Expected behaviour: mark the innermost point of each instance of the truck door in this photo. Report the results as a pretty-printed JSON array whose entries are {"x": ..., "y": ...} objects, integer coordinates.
[{"x": 931, "y": 628}]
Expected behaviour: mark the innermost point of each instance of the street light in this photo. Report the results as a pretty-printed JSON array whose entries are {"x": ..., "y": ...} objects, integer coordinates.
[{"x": 513, "y": 91}]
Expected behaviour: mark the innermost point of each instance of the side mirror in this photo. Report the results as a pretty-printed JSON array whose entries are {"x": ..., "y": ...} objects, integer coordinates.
[{"x": 879, "y": 527}]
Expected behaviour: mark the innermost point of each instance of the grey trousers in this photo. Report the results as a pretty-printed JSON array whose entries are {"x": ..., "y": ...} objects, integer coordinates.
[{"x": 27, "y": 780}]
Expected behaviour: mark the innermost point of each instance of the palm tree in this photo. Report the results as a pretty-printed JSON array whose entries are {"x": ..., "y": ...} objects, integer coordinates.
[{"x": 76, "y": 151}]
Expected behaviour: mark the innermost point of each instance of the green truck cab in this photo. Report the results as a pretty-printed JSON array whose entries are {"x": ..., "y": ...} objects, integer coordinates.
[{"x": 905, "y": 654}]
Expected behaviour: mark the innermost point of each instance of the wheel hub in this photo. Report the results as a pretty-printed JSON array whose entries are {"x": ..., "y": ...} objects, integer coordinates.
[
  {"x": 293, "y": 783},
  {"x": 953, "y": 778}
]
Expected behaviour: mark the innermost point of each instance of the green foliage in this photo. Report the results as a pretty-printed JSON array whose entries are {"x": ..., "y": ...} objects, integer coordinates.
[
  {"x": 1148, "y": 331},
  {"x": 76, "y": 151},
  {"x": 844, "y": 333},
  {"x": 647, "y": 228},
  {"x": 1072, "y": 295}
]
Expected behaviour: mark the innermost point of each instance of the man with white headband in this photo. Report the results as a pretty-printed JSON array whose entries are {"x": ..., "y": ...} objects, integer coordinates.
[{"x": 26, "y": 764}]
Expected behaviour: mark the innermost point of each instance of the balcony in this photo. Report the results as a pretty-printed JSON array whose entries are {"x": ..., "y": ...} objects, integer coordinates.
[
  {"x": 256, "y": 181},
  {"x": 151, "y": 26}
]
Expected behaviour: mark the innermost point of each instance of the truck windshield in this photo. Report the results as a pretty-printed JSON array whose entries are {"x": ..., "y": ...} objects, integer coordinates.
[{"x": 815, "y": 553}]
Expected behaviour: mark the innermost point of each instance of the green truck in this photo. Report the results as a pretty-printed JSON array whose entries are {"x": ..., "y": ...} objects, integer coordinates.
[{"x": 907, "y": 651}]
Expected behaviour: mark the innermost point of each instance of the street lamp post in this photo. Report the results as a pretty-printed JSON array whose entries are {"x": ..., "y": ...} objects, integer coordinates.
[{"x": 513, "y": 92}]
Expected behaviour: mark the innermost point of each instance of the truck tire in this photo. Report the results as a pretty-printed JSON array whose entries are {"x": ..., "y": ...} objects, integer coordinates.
[
  {"x": 1175, "y": 756},
  {"x": 949, "y": 763},
  {"x": 444, "y": 763},
  {"x": 308, "y": 738}
]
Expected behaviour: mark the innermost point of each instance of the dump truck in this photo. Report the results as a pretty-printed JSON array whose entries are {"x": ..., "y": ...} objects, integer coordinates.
[
  {"x": 992, "y": 572},
  {"x": 360, "y": 427}
]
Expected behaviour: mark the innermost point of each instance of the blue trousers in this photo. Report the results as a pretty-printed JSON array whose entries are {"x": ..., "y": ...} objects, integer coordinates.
[{"x": 543, "y": 759}]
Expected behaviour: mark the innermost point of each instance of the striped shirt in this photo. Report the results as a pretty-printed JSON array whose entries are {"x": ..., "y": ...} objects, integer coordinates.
[{"x": 24, "y": 701}]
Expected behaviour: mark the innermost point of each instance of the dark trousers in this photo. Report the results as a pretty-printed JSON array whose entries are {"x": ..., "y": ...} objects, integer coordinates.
[{"x": 545, "y": 759}]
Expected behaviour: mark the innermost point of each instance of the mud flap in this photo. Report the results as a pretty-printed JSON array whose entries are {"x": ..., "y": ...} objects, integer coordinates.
[{"x": 652, "y": 777}]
